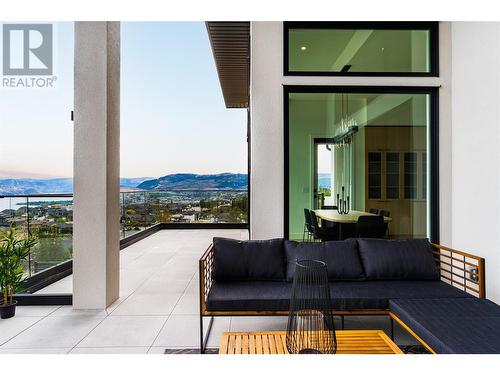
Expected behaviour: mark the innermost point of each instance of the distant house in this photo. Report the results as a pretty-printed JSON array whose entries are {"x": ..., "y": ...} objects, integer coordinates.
[
  {"x": 189, "y": 218},
  {"x": 175, "y": 207},
  {"x": 16, "y": 220},
  {"x": 178, "y": 218},
  {"x": 57, "y": 212},
  {"x": 223, "y": 217},
  {"x": 3, "y": 220}
]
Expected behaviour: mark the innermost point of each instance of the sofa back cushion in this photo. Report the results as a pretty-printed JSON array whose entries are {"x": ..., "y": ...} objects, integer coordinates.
[
  {"x": 410, "y": 259},
  {"x": 341, "y": 257},
  {"x": 248, "y": 260}
]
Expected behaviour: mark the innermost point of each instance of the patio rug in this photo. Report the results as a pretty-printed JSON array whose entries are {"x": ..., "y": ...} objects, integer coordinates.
[
  {"x": 191, "y": 351},
  {"x": 414, "y": 349},
  {"x": 407, "y": 349}
]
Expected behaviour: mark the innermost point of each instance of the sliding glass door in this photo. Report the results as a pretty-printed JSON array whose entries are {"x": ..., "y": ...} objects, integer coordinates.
[{"x": 375, "y": 144}]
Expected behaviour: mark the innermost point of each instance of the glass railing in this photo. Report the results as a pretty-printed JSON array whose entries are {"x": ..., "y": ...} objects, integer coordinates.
[
  {"x": 50, "y": 217},
  {"x": 143, "y": 209}
]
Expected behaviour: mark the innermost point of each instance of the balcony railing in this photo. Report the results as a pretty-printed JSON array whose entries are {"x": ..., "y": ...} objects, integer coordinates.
[
  {"x": 50, "y": 217},
  {"x": 143, "y": 209}
]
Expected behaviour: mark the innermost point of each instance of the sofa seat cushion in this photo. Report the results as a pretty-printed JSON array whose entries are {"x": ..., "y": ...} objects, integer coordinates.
[
  {"x": 346, "y": 295},
  {"x": 453, "y": 326},
  {"x": 341, "y": 257},
  {"x": 249, "y": 296},
  {"x": 368, "y": 295},
  {"x": 236, "y": 260},
  {"x": 410, "y": 259}
]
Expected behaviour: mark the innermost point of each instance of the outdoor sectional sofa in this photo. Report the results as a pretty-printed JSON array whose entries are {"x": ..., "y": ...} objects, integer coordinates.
[{"x": 418, "y": 284}]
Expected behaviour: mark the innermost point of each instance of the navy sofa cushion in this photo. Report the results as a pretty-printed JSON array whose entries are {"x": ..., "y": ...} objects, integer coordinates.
[
  {"x": 376, "y": 294},
  {"x": 346, "y": 295},
  {"x": 446, "y": 307},
  {"x": 452, "y": 326},
  {"x": 249, "y": 296},
  {"x": 248, "y": 260},
  {"x": 410, "y": 259},
  {"x": 341, "y": 258}
]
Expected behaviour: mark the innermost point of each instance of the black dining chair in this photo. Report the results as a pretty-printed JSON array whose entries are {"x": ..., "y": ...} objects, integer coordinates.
[
  {"x": 373, "y": 211},
  {"x": 322, "y": 233},
  {"x": 370, "y": 227},
  {"x": 308, "y": 231},
  {"x": 385, "y": 213}
]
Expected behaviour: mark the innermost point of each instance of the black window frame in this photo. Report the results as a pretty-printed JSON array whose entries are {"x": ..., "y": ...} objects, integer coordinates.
[
  {"x": 432, "y": 152},
  {"x": 433, "y": 28}
]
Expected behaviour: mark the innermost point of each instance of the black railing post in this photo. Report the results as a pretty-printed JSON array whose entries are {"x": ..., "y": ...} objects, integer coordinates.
[
  {"x": 29, "y": 231},
  {"x": 144, "y": 222},
  {"x": 123, "y": 215}
]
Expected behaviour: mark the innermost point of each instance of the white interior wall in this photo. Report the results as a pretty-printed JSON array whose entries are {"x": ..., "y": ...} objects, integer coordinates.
[
  {"x": 476, "y": 145},
  {"x": 266, "y": 108}
]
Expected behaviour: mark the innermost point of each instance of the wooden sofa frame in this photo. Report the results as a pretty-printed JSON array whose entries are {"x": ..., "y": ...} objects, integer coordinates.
[{"x": 461, "y": 270}]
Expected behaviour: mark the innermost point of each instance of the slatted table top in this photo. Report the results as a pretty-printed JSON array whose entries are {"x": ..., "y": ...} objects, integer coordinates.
[{"x": 348, "y": 342}]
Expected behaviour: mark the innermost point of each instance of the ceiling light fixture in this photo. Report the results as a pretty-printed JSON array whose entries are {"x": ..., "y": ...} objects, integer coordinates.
[
  {"x": 303, "y": 48},
  {"x": 347, "y": 126}
]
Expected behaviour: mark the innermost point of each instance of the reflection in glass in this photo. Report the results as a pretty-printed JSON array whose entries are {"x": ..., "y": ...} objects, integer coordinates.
[
  {"x": 383, "y": 167},
  {"x": 358, "y": 50}
]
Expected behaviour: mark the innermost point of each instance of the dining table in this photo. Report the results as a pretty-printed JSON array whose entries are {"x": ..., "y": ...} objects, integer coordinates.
[{"x": 344, "y": 219}]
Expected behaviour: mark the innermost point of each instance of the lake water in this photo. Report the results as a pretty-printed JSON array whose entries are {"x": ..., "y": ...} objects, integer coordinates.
[{"x": 12, "y": 203}]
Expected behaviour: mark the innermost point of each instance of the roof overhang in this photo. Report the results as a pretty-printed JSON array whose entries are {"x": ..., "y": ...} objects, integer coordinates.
[{"x": 231, "y": 49}]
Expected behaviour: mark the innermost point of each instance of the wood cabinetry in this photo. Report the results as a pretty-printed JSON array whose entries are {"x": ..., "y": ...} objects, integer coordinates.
[{"x": 396, "y": 176}]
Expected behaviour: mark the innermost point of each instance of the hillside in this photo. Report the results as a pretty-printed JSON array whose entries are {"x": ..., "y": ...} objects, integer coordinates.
[
  {"x": 20, "y": 186},
  {"x": 183, "y": 181},
  {"x": 26, "y": 186}
]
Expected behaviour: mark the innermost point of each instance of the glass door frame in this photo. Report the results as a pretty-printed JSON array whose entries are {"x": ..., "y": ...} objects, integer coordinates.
[{"x": 432, "y": 152}]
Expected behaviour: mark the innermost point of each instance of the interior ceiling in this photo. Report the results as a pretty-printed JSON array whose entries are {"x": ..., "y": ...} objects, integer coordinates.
[
  {"x": 373, "y": 103},
  {"x": 378, "y": 49},
  {"x": 230, "y": 43}
]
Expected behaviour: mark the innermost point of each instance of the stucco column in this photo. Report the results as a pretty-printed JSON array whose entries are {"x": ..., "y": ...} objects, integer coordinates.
[{"x": 96, "y": 234}]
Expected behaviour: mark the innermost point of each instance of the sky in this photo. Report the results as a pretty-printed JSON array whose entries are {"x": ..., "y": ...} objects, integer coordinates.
[{"x": 173, "y": 117}]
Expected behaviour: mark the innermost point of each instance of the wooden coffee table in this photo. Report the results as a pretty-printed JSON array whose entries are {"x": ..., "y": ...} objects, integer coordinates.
[{"x": 348, "y": 342}]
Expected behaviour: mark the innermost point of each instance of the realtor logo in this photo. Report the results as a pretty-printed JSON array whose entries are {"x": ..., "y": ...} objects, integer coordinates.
[{"x": 27, "y": 49}]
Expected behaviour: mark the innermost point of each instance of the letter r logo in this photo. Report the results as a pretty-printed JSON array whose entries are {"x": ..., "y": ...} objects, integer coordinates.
[{"x": 27, "y": 49}]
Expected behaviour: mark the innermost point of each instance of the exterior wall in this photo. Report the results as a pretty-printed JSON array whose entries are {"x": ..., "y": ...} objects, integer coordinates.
[
  {"x": 266, "y": 133},
  {"x": 266, "y": 106},
  {"x": 476, "y": 145}
]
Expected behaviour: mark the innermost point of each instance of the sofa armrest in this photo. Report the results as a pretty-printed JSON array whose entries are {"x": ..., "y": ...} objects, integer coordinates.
[
  {"x": 461, "y": 270},
  {"x": 206, "y": 265}
]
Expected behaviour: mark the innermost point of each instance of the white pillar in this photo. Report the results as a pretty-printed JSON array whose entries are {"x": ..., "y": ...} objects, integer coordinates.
[
  {"x": 266, "y": 133},
  {"x": 96, "y": 234}
]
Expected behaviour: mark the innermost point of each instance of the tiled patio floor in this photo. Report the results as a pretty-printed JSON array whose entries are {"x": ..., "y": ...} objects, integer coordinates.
[{"x": 157, "y": 308}]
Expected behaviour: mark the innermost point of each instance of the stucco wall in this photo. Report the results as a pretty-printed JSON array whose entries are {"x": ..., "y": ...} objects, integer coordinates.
[
  {"x": 476, "y": 145},
  {"x": 267, "y": 160}
]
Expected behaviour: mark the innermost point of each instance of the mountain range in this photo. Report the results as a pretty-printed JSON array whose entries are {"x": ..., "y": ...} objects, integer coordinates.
[{"x": 182, "y": 181}]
